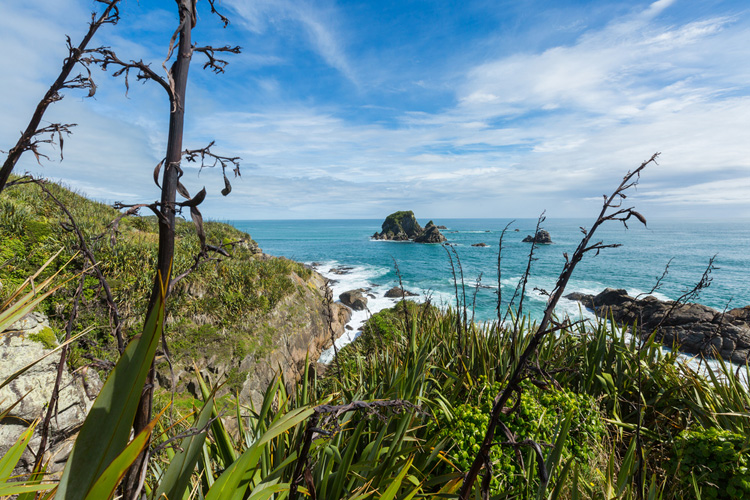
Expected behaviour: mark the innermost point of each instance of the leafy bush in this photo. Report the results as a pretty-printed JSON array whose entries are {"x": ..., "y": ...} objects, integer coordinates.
[
  {"x": 717, "y": 459},
  {"x": 537, "y": 418}
]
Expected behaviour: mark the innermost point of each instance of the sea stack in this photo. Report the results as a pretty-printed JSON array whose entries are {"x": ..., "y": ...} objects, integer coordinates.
[
  {"x": 542, "y": 237},
  {"x": 403, "y": 226}
]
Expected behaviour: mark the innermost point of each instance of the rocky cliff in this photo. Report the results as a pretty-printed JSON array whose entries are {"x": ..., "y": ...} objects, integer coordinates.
[{"x": 295, "y": 331}]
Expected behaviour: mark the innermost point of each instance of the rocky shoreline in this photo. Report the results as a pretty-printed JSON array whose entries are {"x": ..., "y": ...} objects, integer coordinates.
[{"x": 691, "y": 328}]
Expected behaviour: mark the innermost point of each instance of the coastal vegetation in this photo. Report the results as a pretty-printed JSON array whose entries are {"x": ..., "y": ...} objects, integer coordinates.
[
  {"x": 425, "y": 404},
  {"x": 402, "y": 411},
  {"x": 217, "y": 307}
]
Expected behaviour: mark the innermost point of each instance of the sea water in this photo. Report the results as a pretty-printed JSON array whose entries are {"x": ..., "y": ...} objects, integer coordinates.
[{"x": 434, "y": 271}]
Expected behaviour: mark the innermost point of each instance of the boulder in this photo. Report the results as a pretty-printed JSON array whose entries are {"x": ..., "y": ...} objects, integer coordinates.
[
  {"x": 341, "y": 270},
  {"x": 479, "y": 244},
  {"x": 431, "y": 234},
  {"x": 442, "y": 227},
  {"x": 354, "y": 299},
  {"x": 542, "y": 237},
  {"x": 395, "y": 293},
  {"x": 692, "y": 328}
]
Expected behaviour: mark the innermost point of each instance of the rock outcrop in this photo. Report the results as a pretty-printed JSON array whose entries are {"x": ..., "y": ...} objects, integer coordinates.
[
  {"x": 479, "y": 244},
  {"x": 355, "y": 299},
  {"x": 396, "y": 293},
  {"x": 403, "y": 226},
  {"x": 25, "y": 342},
  {"x": 294, "y": 332},
  {"x": 431, "y": 234},
  {"x": 542, "y": 237},
  {"x": 693, "y": 328}
]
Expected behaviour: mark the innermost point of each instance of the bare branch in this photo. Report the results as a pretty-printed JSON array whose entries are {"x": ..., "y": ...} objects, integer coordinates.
[
  {"x": 215, "y": 64},
  {"x": 630, "y": 180},
  {"x": 210, "y": 160},
  {"x": 105, "y": 57},
  {"x": 113, "y": 311},
  {"x": 110, "y": 16},
  {"x": 224, "y": 20}
]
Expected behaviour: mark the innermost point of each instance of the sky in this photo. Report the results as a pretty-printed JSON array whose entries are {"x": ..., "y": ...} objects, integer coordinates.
[{"x": 355, "y": 109}]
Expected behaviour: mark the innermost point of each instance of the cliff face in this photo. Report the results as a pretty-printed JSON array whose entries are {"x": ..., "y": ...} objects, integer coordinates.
[{"x": 294, "y": 332}]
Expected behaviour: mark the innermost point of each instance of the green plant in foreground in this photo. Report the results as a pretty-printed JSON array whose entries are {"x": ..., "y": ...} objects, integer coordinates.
[{"x": 715, "y": 460}]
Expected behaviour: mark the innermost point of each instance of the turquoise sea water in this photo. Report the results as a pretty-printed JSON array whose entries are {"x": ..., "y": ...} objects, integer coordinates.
[{"x": 426, "y": 269}]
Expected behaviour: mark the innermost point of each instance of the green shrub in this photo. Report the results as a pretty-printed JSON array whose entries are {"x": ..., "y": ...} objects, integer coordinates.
[
  {"x": 717, "y": 458},
  {"x": 537, "y": 418}
]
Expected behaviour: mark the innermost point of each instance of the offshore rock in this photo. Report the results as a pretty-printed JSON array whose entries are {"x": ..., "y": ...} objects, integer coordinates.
[
  {"x": 479, "y": 244},
  {"x": 354, "y": 299},
  {"x": 431, "y": 234},
  {"x": 395, "y": 293},
  {"x": 542, "y": 237},
  {"x": 403, "y": 226},
  {"x": 692, "y": 328}
]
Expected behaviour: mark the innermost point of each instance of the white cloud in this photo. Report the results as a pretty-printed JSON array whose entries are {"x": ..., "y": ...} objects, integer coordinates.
[
  {"x": 525, "y": 132},
  {"x": 318, "y": 24}
]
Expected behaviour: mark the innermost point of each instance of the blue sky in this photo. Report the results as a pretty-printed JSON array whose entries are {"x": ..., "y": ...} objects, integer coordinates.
[{"x": 355, "y": 109}]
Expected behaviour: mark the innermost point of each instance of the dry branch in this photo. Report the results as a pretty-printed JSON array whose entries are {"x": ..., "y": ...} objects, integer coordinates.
[{"x": 26, "y": 142}]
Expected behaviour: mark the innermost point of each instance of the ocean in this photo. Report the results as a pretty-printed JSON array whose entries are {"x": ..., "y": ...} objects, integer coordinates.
[{"x": 425, "y": 269}]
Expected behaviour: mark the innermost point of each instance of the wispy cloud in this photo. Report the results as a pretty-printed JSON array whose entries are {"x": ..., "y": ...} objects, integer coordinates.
[
  {"x": 318, "y": 23},
  {"x": 511, "y": 133}
]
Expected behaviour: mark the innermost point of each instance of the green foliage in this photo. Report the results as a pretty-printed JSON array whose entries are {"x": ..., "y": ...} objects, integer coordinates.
[
  {"x": 717, "y": 460},
  {"x": 227, "y": 302},
  {"x": 537, "y": 417}
]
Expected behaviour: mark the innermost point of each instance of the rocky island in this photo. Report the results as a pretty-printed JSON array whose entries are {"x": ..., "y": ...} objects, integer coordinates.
[
  {"x": 403, "y": 226},
  {"x": 542, "y": 237},
  {"x": 692, "y": 328}
]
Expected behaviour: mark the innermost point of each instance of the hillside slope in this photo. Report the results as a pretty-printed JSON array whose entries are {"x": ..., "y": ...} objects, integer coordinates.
[{"x": 244, "y": 314}]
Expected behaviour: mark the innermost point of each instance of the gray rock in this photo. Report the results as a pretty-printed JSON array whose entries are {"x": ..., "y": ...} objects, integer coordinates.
[
  {"x": 692, "y": 328},
  {"x": 341, "y": 270},
  {"x": 479, "y": 244},
  {"x": 431, "y": 234},
  {"x": 542, "y": 237},
  {"x": 354, "y": 299},
  {"x": 395, "y": 292},
  {"x": 77, "y": 394}
]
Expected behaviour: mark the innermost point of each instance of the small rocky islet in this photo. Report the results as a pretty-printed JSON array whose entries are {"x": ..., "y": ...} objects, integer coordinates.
[{"x": 403, "y": 226}]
